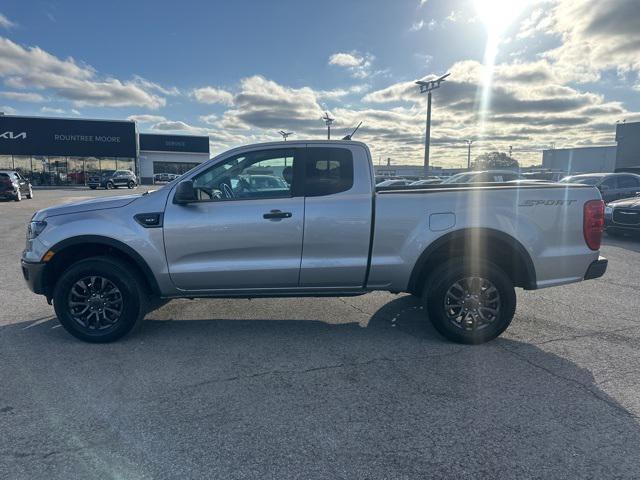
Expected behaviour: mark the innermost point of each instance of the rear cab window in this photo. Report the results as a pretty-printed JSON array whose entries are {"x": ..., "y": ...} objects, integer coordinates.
[{"x": 328, "y": 170}]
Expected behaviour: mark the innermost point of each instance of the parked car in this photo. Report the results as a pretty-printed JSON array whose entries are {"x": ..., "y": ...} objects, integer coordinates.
[
  {"x": 623, "y": 216},
  {"x": 612, "y": 186},
  {"x": 14, "y": 186},
  {"x": 394, "y": 183},
  {"x": 330, "y": 232},
  {"x": 490, "y": 176},
  {"x": 426, "y": 181},
  {"x": 113, "y": 179}
]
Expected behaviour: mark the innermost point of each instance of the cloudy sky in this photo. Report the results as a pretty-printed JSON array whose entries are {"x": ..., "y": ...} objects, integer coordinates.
[{"x": 524, "y": 73}]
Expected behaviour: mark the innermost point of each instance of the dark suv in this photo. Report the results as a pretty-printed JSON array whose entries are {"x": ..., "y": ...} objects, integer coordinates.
[
  {"x": 14, "y": 186},
  {"x": 612, "y": 186},
  {"x": 113, "y": 179}
]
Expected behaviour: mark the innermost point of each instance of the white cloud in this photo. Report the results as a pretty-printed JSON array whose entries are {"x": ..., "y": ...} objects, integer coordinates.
[
  {"x": 33, "y": 67},
  {"x": 213, "y": 95},
  {"x": 145, "y": 118},
  {"x": 59, "y": 111},
  {"x": 5, "y": 22},
  {"x": 417, "y": 26},
  {"x": 345, "y": 60},
  {"x": 595, "y": 36},
  {"x": 358, "y": 64},
  {"x": 176, "y": 126},
  {"x": 23, "y": 96},
  {"x": 6, "y": 109}
]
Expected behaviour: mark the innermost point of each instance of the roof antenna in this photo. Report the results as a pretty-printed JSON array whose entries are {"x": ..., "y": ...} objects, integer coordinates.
[{"x": 348, "y": 137}]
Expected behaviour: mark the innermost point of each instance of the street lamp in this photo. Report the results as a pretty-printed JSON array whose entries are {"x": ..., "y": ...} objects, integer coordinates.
[
  {"x": 285, "y": 134},
  {"x": 328, "y": 121},
  {"x": 469, "y": 142},
  {"x": 427, "y": 87}
]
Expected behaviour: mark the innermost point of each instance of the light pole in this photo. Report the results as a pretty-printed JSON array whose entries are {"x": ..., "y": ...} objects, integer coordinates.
[
  {"x": 469, "y": 142},
  {"x": 328, "y": 121},
  {"x": 285, "y": 134},
  {"x": 427, "y": 87}
]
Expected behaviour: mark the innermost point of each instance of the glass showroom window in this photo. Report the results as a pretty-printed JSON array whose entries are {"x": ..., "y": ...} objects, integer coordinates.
[
  {"x": 57, "y": 170},
  {"x": 75, "y": 171},
  {"x": 108, "y": 165},
  {"x": 6, "y": 162},
  {"x": 22, "y": 165},
  {"x": 39, "y": 170},
  {"x": 126, "y": 164},
  {"x": 92, "y": 165}
]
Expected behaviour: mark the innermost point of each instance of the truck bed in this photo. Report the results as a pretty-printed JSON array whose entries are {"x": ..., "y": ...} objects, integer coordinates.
[{"x": 546, "y": 218}]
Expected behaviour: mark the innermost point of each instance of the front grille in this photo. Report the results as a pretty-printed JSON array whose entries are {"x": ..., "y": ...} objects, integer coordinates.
[{"x": 626, "y": 216}]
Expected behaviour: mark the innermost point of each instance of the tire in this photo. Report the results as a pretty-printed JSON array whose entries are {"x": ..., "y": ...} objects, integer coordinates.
[
  {"x": 18, "y": 196},
  {"x": 131, "y": 184},
  {"x": 30, "y": 194},
  {"x": 110, "y": 185},
  {"x": 99, "y": 274},
  {"x": 472, "y": 321},
  {"x": 93, "y": 187}
]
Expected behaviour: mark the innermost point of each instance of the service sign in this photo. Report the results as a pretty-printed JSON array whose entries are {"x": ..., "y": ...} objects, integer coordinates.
[{"x": 67, "y": 137}]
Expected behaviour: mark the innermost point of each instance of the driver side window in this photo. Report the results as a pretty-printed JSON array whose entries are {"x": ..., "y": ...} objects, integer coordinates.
[{"x": 251, "y": 175}]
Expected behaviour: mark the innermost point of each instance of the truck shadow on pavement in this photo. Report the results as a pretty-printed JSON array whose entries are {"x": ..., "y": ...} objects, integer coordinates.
[{"x": 293, "y": 398}]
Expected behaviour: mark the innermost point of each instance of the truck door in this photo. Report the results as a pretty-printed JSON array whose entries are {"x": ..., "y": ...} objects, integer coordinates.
[
  {"x": 338, "y": 186},
  {"x": 239, "y": 234}
]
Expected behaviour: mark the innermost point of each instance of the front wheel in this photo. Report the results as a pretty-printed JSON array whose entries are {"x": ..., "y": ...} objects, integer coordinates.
[
  {"x": 110, "y": 185},
  {"x": 131, "y": 184},
  {"x": 99, "y": 300},
  {"x": 18, "y": 196},
  {"x": 30, "y": 193},
  {"x": 470, "y": 302}
]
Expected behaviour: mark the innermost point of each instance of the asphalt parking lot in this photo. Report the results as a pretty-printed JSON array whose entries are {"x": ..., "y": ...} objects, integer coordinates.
[{"x": 354, "y": 388}]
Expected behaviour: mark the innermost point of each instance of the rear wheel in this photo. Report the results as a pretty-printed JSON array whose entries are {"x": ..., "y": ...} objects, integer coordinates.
[
  {"x": 99, "y": 300},
  {"x": 110, "y": 185},
  {"x": 92, "y": 187},
  {"x": 470, "y": 302},
  {"x": 18, "y": 196},
  {"x": 30, "y": 194}
]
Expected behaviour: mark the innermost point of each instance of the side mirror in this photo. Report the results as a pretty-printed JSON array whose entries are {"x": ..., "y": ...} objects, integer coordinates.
[{"x": 185, "y": 193}]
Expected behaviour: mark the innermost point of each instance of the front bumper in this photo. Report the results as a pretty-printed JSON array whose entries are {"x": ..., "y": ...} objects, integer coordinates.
[
  {"x": 596, "y": 269},
  {"x": 33, "y": 273}
]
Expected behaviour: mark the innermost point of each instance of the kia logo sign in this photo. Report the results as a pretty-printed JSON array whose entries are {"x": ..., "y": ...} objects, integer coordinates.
[{"x": 13, "y": 136}]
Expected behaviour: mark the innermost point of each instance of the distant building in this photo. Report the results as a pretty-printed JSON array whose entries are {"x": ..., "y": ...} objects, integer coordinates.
[
  {"x": 580, "y": 160},
  {"x": 624, "y": 156},
  {"x": 628, "y": 151}
]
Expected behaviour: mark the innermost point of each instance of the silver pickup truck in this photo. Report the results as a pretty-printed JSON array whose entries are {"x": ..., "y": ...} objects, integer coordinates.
[{"x": 305, "y": 219}]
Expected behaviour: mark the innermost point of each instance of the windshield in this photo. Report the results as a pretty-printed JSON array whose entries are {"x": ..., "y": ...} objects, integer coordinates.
[
  {"x": 460, "y": 178},
  {"x": 591, "y": 180}
]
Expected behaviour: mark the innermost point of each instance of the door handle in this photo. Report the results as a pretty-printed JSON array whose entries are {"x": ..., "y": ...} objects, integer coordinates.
[{"x": 275, "y": 214}]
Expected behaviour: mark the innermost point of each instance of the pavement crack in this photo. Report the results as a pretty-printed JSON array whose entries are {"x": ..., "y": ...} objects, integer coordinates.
[
  {"x": 356, "y": 308},
  {"x": 586, "y": 335},
  {"x": 319, "y": 368},
  {"x": 580, "y": 385}
]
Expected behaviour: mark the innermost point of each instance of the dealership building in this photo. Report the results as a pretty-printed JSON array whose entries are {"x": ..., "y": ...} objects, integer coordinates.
[
  {"x": 624, "y": 156},
  {"x": 60, "y": 151}
]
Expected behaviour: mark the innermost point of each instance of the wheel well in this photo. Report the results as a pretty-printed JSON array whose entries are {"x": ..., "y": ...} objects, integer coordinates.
[
  {"x": 485, "y": 244},
  {"x": 71, "y": 252}
]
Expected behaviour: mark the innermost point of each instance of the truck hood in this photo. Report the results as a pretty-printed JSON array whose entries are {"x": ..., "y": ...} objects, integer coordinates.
[{"x": 86, "y": 206}]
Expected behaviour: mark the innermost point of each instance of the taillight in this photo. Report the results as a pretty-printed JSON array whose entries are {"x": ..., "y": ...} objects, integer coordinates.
[{"x": 593, "y": 223}]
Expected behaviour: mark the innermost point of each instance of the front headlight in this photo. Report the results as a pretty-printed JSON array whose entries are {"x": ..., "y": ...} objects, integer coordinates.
[{"x": 35, "y": 228}]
